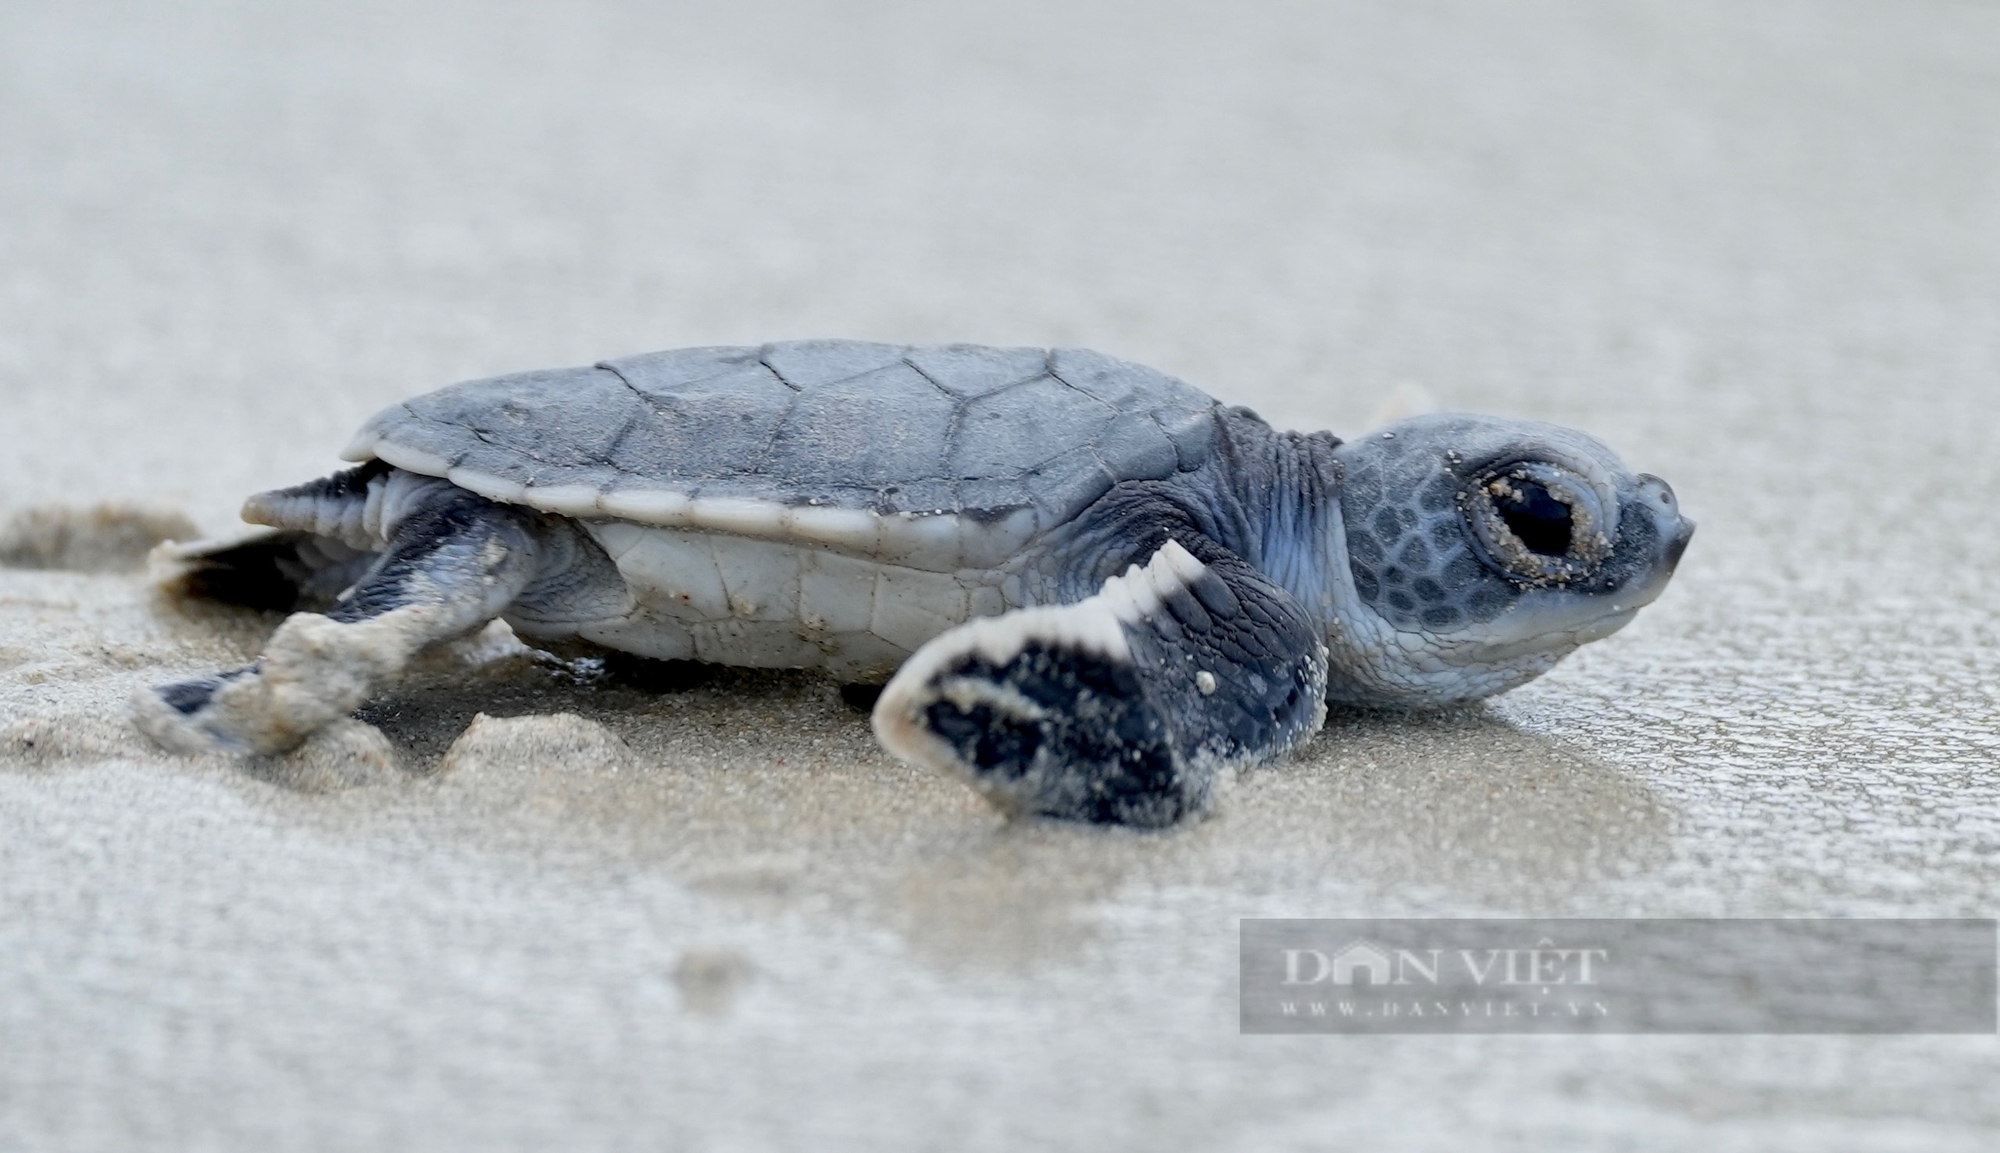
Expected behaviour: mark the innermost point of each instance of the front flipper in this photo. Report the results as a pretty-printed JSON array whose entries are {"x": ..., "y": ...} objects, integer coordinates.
[{"x": 1123, "y": 708}]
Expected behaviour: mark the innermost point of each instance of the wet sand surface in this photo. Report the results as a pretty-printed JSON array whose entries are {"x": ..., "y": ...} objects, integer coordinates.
[{"x": 1756, "y": 247}]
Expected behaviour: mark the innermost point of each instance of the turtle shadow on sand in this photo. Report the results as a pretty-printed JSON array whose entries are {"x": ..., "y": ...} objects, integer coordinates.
[
  {"x": 766, "y": 791},
  {"x": 763, "y": 790},
  {"x": 1379, "y": 806},
  {"x": 1458, "y": 802}
]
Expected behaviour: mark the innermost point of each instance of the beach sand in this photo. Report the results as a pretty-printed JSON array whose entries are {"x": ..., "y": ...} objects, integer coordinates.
[{"x": 1756, "y": 247}]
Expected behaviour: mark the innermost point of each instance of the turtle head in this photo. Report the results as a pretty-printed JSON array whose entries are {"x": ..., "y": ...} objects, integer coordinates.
[{"x": 1475, "y": 552}]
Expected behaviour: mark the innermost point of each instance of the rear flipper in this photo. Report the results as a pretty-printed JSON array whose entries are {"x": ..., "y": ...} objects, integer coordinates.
[
  {"x": 287, "y": 570},
  {"x": 451, "y": 566},
  {"x": 326, "y": 535},
  {"x": 1123, "y": 708}
]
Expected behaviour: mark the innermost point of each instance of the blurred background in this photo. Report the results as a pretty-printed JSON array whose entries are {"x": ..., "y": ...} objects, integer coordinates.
[
  {"x": 281, "y": 216},
  {"x": 1755, "y": 245}
]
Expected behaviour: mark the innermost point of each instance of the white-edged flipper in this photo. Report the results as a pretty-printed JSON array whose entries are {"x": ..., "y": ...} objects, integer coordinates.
[{"x": 1122, "y": 708}]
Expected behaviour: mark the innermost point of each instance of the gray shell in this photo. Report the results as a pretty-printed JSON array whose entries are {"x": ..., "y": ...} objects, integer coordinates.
[{"x": 889, "y": 429}]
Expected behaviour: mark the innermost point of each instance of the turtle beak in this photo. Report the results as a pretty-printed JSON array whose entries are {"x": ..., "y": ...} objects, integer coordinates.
[
  {"x": 1648, "y": 576},
  {"x": 1678, "y": 543},
  {"x": 1675, "y": 530}
]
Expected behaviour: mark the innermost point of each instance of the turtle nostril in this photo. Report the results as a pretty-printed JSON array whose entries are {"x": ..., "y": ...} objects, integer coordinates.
[{"x": 1662, "y": 491}]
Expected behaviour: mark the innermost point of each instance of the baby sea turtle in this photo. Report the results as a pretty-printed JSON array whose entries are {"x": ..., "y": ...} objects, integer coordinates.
[{"x": 1089, "y": 587}]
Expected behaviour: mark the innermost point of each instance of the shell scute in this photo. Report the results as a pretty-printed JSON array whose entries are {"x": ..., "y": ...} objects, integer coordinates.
[
  {"x": 821, "y": 445},
  {"x": 969, "y": 370}
]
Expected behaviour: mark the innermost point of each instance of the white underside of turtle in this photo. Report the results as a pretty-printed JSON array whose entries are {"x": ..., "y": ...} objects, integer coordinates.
[
  {"x": 1090, "y": 587},
  {"x": 712, "y": 596}
]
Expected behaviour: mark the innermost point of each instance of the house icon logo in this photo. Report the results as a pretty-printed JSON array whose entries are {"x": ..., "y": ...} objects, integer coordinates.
[{"x": 1362, "y": 956}]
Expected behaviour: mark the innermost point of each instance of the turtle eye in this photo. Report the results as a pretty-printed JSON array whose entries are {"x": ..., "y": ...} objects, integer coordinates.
[
  {"x": 1526, "y": 506},
  {"x": 1538, "y": 522}
]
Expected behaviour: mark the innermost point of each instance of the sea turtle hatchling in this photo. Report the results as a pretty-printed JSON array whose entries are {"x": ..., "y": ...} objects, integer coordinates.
[{"x": 1089, "y": 587}]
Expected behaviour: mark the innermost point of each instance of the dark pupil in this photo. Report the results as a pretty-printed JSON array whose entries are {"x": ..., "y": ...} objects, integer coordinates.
[{"x": 1540, "y": 520}]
